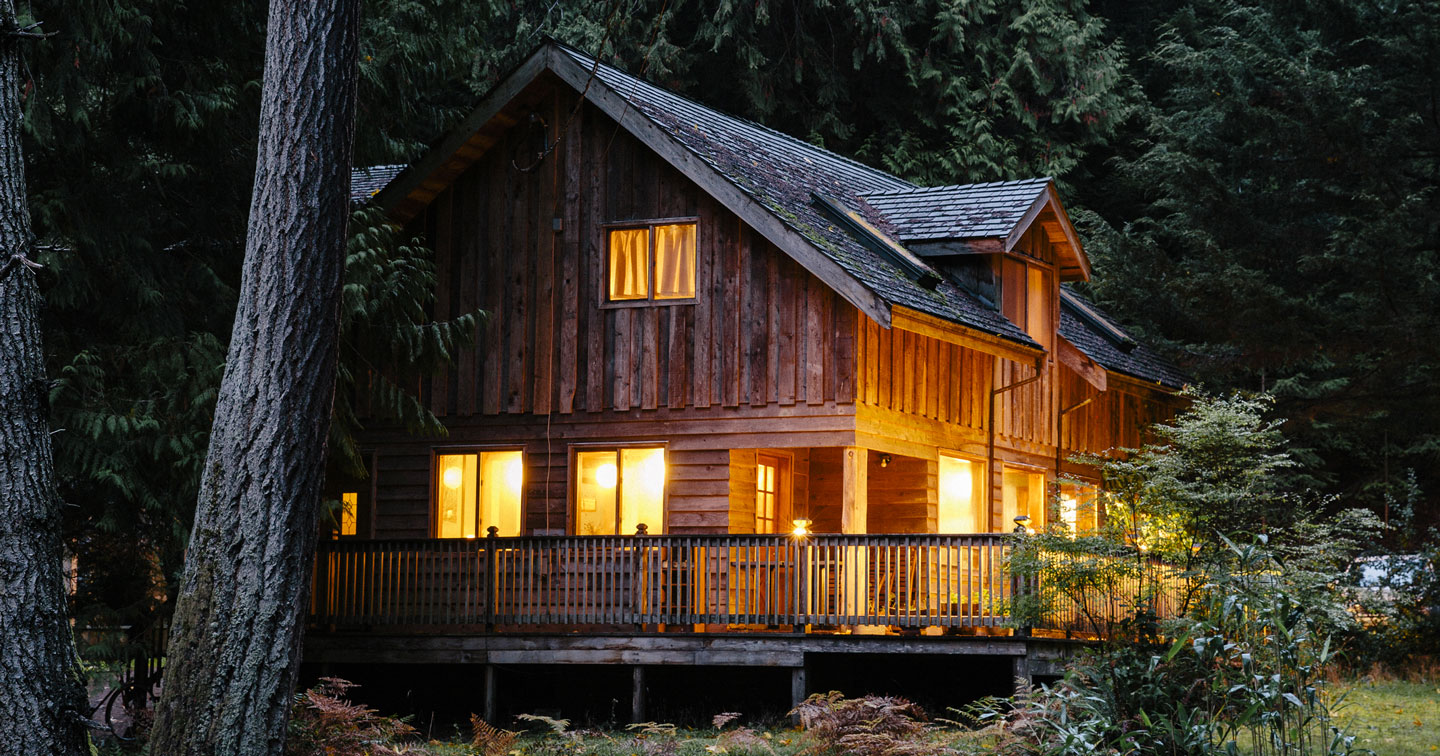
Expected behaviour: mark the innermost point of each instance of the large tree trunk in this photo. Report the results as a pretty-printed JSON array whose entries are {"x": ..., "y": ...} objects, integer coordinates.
[
  {"x": 235, "y": 648},
  {"x": 42, "y": 692}
]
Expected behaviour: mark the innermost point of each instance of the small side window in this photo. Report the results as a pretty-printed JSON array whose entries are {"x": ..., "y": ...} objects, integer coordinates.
[{"x": 653, "y": 262}]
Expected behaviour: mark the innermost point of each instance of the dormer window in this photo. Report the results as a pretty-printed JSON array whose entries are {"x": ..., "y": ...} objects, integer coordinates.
[{"x": 653, "y": 261}]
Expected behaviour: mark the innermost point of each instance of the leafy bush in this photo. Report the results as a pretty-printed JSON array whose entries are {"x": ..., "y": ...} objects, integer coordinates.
[{"x": 323, "y": 722}]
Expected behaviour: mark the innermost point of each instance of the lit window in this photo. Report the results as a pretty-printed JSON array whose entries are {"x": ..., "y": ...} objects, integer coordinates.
[
  {"x": 661, "y": 253},
  {"x": 349, "y": 512},
  {"x": 962, "y": 496},
  {"x": 1079, "y": 508},
  {"x": 476, "y": 491},
  {"x": 1023, "y": 495},
  {"x": 770, "y": 493},
  {"x": 618, "y": 489}
]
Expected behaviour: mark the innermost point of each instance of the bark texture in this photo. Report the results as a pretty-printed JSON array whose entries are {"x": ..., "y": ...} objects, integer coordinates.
[
  {"x": 235, "y": 645},
  {"x": 42, "y": 692}
]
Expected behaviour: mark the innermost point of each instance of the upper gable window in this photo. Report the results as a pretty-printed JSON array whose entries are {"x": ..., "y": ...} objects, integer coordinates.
[
  {"x": 654, "y": 261},
  {"x": 1028, "y": 299}
]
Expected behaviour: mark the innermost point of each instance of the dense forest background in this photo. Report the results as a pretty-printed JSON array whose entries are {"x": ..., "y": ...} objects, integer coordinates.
[{"x": 1256, "y": 184}]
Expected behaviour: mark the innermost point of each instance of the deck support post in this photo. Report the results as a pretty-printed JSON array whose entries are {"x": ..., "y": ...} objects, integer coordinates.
[
  {"x": 854, "y": 508},
  {"x": 853, "y": 491},
  {"x": 637, "y": 694},
  {"x": 490, "y": 713},
  {"x": 798, "y": 691},
  {"x": 1020, "y": 671}
]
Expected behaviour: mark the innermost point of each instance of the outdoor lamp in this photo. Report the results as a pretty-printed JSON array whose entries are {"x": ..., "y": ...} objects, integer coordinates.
[
  {"x": 802, "y": 528},
  {"x": 1022, "y": 524}
]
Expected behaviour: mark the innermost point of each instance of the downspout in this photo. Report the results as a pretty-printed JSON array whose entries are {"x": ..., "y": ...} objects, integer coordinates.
[
  {"x": 1060, "y": 430},
  {"x": 990, "y": 424}
]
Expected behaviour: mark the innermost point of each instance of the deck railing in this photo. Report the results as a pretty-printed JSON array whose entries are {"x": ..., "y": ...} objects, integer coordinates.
[{"x": 750, "y": 581}]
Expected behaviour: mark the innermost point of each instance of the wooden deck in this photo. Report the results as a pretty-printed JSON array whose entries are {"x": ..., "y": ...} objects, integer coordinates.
[{"x": 818, "y": 584}]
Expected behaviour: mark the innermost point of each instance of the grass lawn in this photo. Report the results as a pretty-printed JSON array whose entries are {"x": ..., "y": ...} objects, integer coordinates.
[{"x": 1392, "y": 717}]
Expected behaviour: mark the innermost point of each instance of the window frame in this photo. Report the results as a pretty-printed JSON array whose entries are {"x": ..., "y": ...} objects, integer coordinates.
[
  {"x": 433, "y": 511},
  {"x": 572, "y": 506},
  {"x": 784, "y": 492},
  {"x": 649, "y": 225}
]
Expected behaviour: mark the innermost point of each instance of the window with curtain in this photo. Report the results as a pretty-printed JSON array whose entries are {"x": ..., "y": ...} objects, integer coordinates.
[{"x": 652, "y": 262}]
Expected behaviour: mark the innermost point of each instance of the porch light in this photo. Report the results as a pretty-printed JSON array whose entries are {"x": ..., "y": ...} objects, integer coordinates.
[
  {"x": 1022, "y": 525},
  {"x": 453, "y": 477},
  {"x": 605, "y": 475},
  {"x": 802, "y": 527}
]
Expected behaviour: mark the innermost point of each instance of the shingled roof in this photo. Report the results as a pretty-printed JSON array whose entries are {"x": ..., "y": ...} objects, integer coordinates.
[
  {"x": 367, "y": 182},
  {"x": 1099, "y": 342},
  {"x": 776, "y": 181},
  {"x": 965, "y": 211}
]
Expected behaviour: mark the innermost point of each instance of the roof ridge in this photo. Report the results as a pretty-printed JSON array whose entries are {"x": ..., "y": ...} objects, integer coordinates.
[
  {"x": 974, "y": 185},
  {"x": 590, "y": 60}
]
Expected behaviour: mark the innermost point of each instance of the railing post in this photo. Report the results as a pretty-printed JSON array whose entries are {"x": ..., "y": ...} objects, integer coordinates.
[
  {"x": 638, "y": 579},
  {"x": 1019, "y": 586},
  {"x": 491, "y": 579}
]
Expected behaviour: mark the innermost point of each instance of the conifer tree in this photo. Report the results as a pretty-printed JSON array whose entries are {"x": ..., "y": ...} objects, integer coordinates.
[
  {"x": 42, "y": 691},
  {"x": 234, "y": 653}
]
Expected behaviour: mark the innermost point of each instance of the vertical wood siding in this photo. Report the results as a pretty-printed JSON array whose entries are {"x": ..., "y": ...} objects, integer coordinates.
[{"x": 527, "y": 247}]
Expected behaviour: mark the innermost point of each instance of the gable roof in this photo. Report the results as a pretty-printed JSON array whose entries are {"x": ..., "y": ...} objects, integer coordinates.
[
  {"x": 775, "y": 183},
  {"x": 1103, "y": 340},
  {"x": 967, "y": 211}
]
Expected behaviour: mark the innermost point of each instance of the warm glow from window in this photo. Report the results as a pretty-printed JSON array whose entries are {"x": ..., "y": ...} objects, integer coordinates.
[
  {"x": 1079, "y": 507},
  {"x": 675, "y": 261},
  {"x": 767, "y": 495},
  {"x": 606, "y": 475},
  {"x": 478, "y": 491},
  {"x": 652, "y": 262},
  {"x": 349, "y": 513},
  {"x": 629, "y": 263},
  {"x": 1023, "y": 493},
  {"x": 961, "y": 489},
  {"x": 617, "y": 490},
  {"x": 1069, "y": 513}
]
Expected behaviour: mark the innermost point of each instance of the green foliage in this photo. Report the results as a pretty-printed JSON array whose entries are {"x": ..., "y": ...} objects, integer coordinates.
[
  {"x": 388, "y": 341},
  {"x": 1245, "y": 669},
  {"x": 1274, "y": 215},
  {"x": 1217, "y": 468}
]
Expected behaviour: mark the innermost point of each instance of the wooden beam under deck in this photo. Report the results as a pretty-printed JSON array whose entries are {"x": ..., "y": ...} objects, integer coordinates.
[{"x": 707, "y": 649}]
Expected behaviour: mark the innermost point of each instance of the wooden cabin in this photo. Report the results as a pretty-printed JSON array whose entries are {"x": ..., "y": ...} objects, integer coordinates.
[{"x": 732, "y": 388}]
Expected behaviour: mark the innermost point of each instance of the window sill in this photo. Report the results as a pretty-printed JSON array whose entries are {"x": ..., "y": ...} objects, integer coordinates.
[{"x": 634, "y": 303}]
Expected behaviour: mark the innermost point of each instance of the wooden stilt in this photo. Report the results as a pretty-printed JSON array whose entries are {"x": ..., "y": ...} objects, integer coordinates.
[
  {"x": 637, "y": 694},
  {"x": 798, "y": 691},
  {"x": 490, "y": 702}
]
